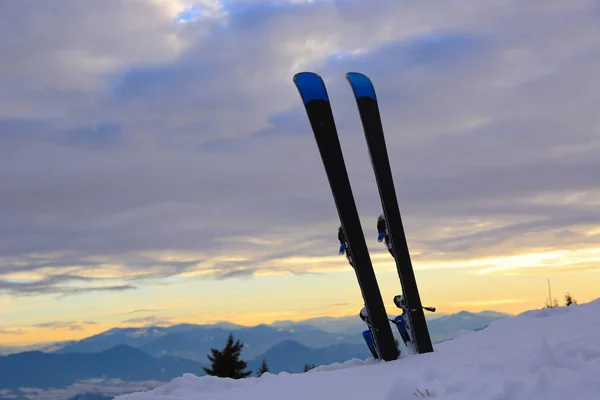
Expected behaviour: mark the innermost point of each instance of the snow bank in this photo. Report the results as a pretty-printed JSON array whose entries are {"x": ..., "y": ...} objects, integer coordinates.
[{"x": 538, "y": 355}]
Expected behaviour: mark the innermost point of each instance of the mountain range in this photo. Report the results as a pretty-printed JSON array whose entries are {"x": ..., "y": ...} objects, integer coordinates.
[
  {"x": 46, "y": 370},
  {"x": 194, "y": 342},
  {"x": 163, "y": 353}
]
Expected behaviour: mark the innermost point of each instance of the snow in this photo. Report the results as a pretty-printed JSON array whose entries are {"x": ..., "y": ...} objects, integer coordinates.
[
  {"x": 145, "y": 332},
  {"x": 539, "y": 355}
]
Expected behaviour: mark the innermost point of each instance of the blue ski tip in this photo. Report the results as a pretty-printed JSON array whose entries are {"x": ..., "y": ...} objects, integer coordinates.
[
  {"x": 361, "y": 85},
  {"x": 310, "y": 86}
]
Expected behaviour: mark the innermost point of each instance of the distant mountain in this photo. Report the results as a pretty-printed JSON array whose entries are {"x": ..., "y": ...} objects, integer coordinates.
[
  {"x": 441, "y": 326},
  {"x": 45, "y": 347},
  {"x": 291, "y": 356},
  {"x": 134, "y": 337},
  {"x": 328, "y": 324},
  {"x": 493, "y": 314},
  {"x": 36, "y": 369},
  {"x": 45, "y": 371},
  {"x": 229, "y": 325},
  {"x": 162, "y": 353},
  {"x": 445, "y": 327},
  {"x": 195, "y": 341},
  {"x": 54, "y": 347},
  {"x": 345, "y": 325},
  {"x": 4, "y": 351}
]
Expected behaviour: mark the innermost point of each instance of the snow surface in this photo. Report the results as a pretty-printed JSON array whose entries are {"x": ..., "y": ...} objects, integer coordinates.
[{"x": 539, "y": 355}]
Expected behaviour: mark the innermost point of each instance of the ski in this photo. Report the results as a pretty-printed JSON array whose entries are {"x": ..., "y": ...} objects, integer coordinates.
[
  {"x": 318, "y": 108},
  {"x": 368, "y": 108},
  {"x": 368, "y": 334},
  {"x": 401, "y": 321},
  {"x": 369, "y": 340},
  {"x": 364, "y": 314}
]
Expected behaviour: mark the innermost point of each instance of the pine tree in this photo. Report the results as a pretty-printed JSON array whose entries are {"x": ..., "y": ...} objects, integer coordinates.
[
  {"x": 226, "y": 363},
  {"x": 263, "y": 368},
  {"x": 308, "y": 367}
]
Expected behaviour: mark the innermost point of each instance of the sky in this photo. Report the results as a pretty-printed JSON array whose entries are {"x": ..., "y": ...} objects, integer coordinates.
[{"x": 157, "y": 165}]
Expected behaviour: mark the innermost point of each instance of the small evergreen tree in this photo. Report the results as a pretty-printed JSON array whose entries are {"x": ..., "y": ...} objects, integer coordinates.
[
  {"x": 569, "y": 299},
  {"x": 226, "y": 363},
  {"x": 308, "y": 367},
  {"x": 263, "y": 368}
]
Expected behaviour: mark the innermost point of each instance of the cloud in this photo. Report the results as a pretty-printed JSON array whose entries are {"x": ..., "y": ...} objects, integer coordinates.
[
  {"x": 64, "y": 325},
  {"x": 142, "y": 310},
  {"x": 95, "y": 386},
  {"x": 155, "y": 148},
  {"x": 151, "y": 320},
  {"x": 12, "y": 331},
  {"x": 55, "y": 284}
]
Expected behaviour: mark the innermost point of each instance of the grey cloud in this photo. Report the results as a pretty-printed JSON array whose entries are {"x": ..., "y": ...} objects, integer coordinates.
[
  {"x": 115, "y": 288},
  {"x": 100, "y": 387},
  {"x": 12, "y": 331},
  {"x": 69, "y": 41},
  {"x": 149, "y": 320},
  {"x": 142, "y": 310},
  {"x": 479, "y": 120},
  {"x": 69, "y": 325},
  {"x": 55, "y": 284},
  {"x": 488, "y": 239}
]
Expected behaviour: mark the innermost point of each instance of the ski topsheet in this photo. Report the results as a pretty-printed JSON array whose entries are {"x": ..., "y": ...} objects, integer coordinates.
[
  {"x": 318, "y": 108},
  {"x": 368, "y": 108}
]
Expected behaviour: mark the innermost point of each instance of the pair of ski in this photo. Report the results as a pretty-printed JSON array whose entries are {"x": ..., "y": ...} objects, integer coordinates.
[
  {"x": 318, "y": 108},
  {"x": 401, "y": 320}
]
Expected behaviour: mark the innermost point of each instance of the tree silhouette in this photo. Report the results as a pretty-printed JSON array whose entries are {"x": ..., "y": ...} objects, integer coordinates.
[
  {"x": 226, "y": 363},
  {"x": 569, "y": 299},
  {"x": 263, "y": 368},
  {"x": 308, "y": 367}
]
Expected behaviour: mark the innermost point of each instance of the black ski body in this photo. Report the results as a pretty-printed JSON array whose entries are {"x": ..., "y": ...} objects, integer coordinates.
[
  {"x": 318, "y": 108},
  {"x": 368, "y": 108}
]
